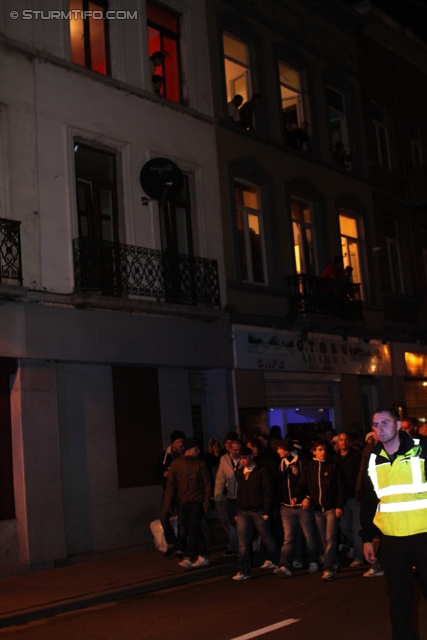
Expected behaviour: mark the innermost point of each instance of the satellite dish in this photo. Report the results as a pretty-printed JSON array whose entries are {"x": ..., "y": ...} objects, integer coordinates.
[{"x": 161, "y": 179}]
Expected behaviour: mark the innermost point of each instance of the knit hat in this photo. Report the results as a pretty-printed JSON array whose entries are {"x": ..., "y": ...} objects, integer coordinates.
[
  {"x": 190, "y": 443},
  {"x": 286, "y": 444},
  {"x": 177, "y": 435}
]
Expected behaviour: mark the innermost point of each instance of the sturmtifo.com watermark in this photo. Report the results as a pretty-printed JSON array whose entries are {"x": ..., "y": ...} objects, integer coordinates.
[{"x": 75, "y": 14}]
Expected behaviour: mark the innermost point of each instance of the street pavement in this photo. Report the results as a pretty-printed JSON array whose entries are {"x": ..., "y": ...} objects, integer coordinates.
[{"x": 218, "y": 608}]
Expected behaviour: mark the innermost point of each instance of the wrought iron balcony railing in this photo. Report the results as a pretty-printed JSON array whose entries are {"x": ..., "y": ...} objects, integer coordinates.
[
  {"x": 312, "y": 295},
  {"x": 10, "y": 252},
  {"x": 116, "y": 269}
]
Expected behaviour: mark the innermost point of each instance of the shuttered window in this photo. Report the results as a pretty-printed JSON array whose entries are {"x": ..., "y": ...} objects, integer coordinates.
[
  {"x": 138, "y": 425},
  {"x": 7, "y": 497}
]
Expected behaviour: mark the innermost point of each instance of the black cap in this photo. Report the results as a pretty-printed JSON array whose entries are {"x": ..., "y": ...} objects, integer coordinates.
[
  {"x": 287, "y": 444},
  {"x": 177, "y": 435},
  {"x": 231, "y": 435}
]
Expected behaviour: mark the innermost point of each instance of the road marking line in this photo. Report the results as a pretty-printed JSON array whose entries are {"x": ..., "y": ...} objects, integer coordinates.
[{"x": 272, "y": 627}]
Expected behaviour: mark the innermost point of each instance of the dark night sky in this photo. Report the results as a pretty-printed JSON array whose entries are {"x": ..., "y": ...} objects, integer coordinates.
[{"x": 411, "y": 13}]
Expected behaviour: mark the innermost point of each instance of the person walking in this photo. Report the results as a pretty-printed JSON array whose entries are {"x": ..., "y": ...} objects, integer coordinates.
[{"x": 394, "y": 499}]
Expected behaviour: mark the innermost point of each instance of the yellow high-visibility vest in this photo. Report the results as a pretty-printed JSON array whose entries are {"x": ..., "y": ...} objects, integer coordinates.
[{"x": 402, "y": 491}]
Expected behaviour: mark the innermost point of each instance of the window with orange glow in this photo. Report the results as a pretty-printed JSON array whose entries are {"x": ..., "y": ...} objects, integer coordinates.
[
  {"x": 252, "y": 261},
  {"x": 163, "y": 35},
  {"x": 88, "y": 35},
  {"x": 302, "y": 224}
]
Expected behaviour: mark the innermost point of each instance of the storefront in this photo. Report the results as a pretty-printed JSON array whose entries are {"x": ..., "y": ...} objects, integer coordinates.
[{"x": 305, "y": 385}]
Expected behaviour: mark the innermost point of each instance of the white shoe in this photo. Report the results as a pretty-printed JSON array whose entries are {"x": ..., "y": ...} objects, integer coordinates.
[
  {"x": 240, "y": 576},
  {"x": 283, "y": 572},
  {"x": 268, "y": 565},
  {"x": 313, "y": 567},
  {"x": 200, "y": 562},
  {"x": 297, "y": 564},
  {"x": 185, "y": 563}
]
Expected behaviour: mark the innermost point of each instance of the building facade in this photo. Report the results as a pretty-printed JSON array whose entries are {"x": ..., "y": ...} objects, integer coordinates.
[{"x": 113, "y": 332}]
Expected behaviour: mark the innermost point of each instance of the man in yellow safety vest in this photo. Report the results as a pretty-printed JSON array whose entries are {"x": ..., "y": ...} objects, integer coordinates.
[{"x": 394, "y": 500}]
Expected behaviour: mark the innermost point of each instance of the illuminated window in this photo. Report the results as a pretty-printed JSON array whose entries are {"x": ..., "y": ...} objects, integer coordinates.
[
  {"x": 302, "y": 223},
  {"x": 291, "y": 96},
  {"x": 237, "y": 68},
  {"x": 380, "y": 126},
  {"x": 163, "y": 36},
  {"x": 337, "y": 124},
  {"x": 393, "y": 255},
  {"x": 414, "y": 137},
  {"x": 350, "y": 246},
  {"x": 250, "y": 233},
  {"x": 88, "y": 35}
]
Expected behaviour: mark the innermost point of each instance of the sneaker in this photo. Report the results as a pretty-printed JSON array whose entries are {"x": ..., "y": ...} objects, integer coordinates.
[
  {"x": 374, "y": 571},
  {"x": 200, "y": 562},
  {"x": 356, "y": 563},
  {"x": 185, "y": 563},
  {"x": 297, "y": 564},
  {"x": 268, "y": 565},
  {"x": 240, "y": 576},
  {"x": 313, "y": 567},
  {"x": 327, "y": 576},
  {"x": 169, "y": 551},
  {"x": 283, "y": 572}
]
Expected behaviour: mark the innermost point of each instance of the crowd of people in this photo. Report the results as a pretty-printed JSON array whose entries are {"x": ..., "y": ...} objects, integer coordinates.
[{"x": 301, "y": 502}]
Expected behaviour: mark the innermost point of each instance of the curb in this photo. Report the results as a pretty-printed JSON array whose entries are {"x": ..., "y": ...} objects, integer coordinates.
[{"x": 104, "y": 597}]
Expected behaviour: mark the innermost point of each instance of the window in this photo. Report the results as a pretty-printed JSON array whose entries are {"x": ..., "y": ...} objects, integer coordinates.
[
  {"x": 237, "y": 68},
  {"x": 291, "y": 96},
  {"x": 393, "y": 255},
  {"x": 250, "y": 233},
  {"x": 96, "y": 193},
  {"x": 414, "y": 137},
  {"x": 175, "y": 223},
  {"x": 338, "y": 126},
  {"x": 138, "y": 425},
  {"x": 302, "y": 223},
  {"x": 350, "y": 246},
  {"x": 89, "y": 35},
  {"x": 163, "y": 37},
  {"x": 380, "y": 127}
]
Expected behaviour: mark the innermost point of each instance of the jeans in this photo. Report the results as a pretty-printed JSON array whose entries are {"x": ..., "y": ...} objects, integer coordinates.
[
  {"x": 192, "y": 514},
  {"x": 398, "y": 556},
  {"x": 234, "y": 544},
  {"x": 350, "y": 526},
  {"x": 164, "y": 519},
  {"x": 327, "y": 526},
  {"x": 292, "y": 519},
  {"x": 222, "y": 508},
  {"x": 246, "y": 522}
]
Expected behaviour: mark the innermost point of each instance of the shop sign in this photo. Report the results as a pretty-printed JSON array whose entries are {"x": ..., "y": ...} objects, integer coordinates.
[{"x": 283, "y": 351}]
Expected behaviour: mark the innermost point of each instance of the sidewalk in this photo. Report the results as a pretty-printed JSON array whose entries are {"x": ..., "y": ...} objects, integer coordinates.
[{"x": 34, "y": 596}]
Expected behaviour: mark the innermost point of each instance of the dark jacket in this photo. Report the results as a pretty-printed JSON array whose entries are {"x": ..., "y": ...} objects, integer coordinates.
[
  {"x": 324, "y": 484},
  {"x": 369, "y": 499},
  {"x": 289, "y": 476},
  {"x": 189, "y": 478},
  {"x": 163, "y": 464},
  {"x": 257, "y": 492},
  {"x": 349, "y": 465}
]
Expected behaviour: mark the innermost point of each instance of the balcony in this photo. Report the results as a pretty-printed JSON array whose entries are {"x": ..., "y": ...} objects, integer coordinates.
[
  {"x": 117, "y": 269},
  {"x": 10, "y": 253},
  {"x": 312, "y": 295}
]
